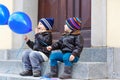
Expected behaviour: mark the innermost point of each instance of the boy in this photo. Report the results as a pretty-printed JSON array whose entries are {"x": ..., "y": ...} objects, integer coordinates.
[
  {"x": 32, "y": 59},
  {"x": 70, "y": 45}
]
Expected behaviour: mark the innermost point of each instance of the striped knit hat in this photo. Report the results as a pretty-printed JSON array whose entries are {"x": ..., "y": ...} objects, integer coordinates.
[
  {"x": 47, "y": 22},
  {"x": 74, "y": 23}
]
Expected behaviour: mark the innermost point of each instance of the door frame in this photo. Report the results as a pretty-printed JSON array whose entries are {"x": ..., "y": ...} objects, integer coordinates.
[{"x": 99, "y": 23}]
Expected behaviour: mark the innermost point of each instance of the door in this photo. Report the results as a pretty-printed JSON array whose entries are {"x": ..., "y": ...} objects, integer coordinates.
[{"x": 60, "y": 10}]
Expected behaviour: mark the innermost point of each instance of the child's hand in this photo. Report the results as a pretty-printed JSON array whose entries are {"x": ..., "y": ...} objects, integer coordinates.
[
  {"x": 49, "y": 48},
  {"x": 71, "y": 58},
  {"x": 26, "y": 38}
]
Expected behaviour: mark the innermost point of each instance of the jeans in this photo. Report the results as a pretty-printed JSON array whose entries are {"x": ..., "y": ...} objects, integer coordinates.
[
  {"x": 32, "y": 60},
  {"x": 59, "y": 56}
]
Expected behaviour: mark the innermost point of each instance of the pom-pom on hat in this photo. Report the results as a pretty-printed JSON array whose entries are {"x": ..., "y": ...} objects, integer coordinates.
[
  {"x": 74, "y": 23},
  {"x": 47, "y": 22}
]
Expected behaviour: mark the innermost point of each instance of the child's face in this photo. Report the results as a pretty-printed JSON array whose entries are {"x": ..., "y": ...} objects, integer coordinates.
[
  {"x": 41, "y": 26},
  {"x": 66, "y": 28}
]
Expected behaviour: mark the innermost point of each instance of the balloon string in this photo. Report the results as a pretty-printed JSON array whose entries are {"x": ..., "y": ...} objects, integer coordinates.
[{"x": 17, "y": 55}]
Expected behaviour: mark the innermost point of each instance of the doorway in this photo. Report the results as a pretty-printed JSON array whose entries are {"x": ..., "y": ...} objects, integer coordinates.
[{"x": 60, "y": 10}]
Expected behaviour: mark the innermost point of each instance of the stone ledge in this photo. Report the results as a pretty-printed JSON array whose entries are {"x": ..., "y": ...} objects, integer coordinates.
[{"x": 82, "y": 70}]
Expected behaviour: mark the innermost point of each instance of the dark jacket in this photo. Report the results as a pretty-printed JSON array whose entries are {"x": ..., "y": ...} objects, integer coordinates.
[
  {"x": 42, "y": 40},
  {"x": 72, "y": 43}
]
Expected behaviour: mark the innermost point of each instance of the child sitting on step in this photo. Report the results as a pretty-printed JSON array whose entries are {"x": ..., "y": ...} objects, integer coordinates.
[
  {"x": 32, "y": 59},
  {"x": 70, "y": 45}
]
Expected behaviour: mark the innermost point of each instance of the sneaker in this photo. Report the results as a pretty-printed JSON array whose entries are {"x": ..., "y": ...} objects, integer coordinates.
[
  {"x": 36, "y": 73},
  {"x": 26, "y": 73}
]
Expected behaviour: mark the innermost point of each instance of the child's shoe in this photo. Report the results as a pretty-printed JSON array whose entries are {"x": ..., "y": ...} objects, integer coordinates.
[
  {"x": 67, "y": 73},
  {"x": 36, "y": 73},
  {"x": 26, "y": 73},
  {"x": 53, "y": 73}
]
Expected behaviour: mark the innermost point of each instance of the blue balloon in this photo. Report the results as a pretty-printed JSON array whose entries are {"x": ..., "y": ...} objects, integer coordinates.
[
  {"x": 19, "y": 22},
  {"x": 4, "y": 15}
]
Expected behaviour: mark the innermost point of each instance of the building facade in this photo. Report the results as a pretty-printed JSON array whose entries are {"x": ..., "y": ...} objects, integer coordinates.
[
  {"x": 104, "y": 24},
  {"x": 95, "y": 17}
]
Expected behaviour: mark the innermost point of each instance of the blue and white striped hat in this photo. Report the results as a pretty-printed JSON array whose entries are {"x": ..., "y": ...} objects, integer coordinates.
[{"x": 47, "y": 22}]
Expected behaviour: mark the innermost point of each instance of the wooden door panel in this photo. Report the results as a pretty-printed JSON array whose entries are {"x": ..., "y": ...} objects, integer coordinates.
[
  {"x": 70, "y": 8},
  {"x": 60, "y": 10},
  {"x": 77, "y": 8},
  {"x": 55, "y": 9},
  {"x": 86, "y": 13},
  {"x": 62, "y": 15}
]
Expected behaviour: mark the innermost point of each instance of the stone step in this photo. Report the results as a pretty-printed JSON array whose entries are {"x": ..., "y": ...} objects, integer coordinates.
[
  {"x": 87, "y": 37},
  {"x": 87, "y": 55},
  {"x": 87, "y": 42},
  {"x": 82, "y": 70},
  {"x": 104, "y": 79},
  {"x": 18, "y": 77},
  {"x": 11, "y": 66},
  {"x": 94, "y": 54}
]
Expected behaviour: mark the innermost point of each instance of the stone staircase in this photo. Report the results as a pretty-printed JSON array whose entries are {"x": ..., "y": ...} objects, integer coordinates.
[{"x": 92, "y": 65}]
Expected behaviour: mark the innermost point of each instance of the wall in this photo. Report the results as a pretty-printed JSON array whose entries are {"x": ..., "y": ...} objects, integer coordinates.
[
  {"x": 113, "y": 37},
  {"x": 8, "y": 4},
  {"x": 113, "y": 23},
  {"x": 16, "y": 40},
  {"x": 5, "y": 32}
]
